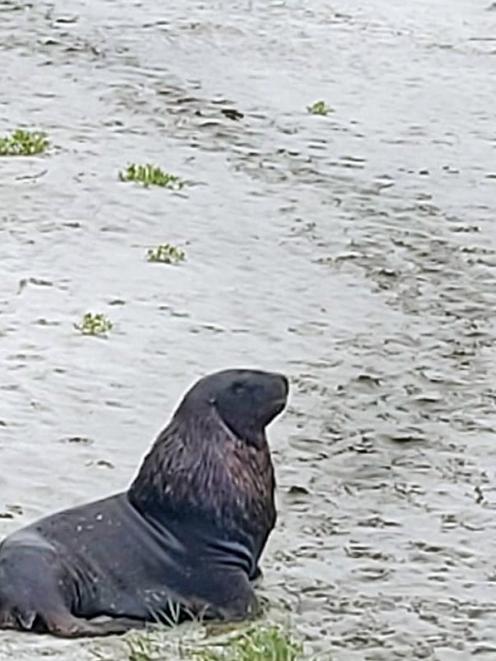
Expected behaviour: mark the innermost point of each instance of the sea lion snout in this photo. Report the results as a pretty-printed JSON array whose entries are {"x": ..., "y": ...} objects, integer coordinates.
[
  {"x": 277, "y": 394},
  {"x": 248, "y": 400},
  {"x": 283, "y": 385}
]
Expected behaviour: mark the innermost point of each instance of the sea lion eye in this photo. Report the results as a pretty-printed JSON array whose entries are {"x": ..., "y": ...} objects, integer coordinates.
[{"x": 237, "y": 388}]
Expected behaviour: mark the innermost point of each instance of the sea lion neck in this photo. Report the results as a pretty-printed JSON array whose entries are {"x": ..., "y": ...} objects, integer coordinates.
[{"x": 198, "y": 469}]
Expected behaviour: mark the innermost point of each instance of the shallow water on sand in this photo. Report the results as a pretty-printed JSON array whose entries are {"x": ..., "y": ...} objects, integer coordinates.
[{"x": 356, "y": 252}]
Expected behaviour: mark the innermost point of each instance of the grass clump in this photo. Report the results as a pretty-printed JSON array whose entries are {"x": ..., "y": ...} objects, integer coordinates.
[
  {"x": 257, "y": 643},
  {"x": 166, "y": 253},
  {"x": 150, "y": 175},
  {"x": 94, "y": 324},
  {"x": 23, "y": 143},
  {"x": 141, "y": 648},
  {"x": 319, "y": 108},
  {"x": 267, "y": 643}
]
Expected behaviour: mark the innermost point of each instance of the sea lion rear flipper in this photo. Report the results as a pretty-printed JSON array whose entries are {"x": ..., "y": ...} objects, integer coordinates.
[
  {"x": 7, "y": 620},
  {"x": 25, "y": 618},
  {"x": 65, "y": 625}
]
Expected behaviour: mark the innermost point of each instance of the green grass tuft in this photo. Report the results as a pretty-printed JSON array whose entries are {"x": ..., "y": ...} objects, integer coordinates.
[
  {"x": 166, "y": 253},
  {"x": 151, "y": 175},
  {"x": 319, "y": 108},
  {"x": 259, "y": 643},
  {"x": 23, "y": 143},
  {"x": 141, "y": 648},
  {"x": 94, "y": 324}
]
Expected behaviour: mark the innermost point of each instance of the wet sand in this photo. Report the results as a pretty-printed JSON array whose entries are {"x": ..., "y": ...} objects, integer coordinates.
[{"x": 356, "y": 252}]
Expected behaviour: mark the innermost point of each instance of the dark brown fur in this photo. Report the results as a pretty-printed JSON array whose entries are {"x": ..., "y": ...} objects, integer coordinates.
[{"x": 226, "y": 480}]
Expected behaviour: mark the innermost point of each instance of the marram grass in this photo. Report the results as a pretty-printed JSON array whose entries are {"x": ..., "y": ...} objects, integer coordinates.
[
  {"x": 23, "y": 143},
  {"x": 150, "y": 175}
]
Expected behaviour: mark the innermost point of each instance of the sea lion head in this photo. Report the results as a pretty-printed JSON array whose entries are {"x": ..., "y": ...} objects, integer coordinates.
[
  {"x": 212, "y": 460},
  {"x": 245, "y": 400}
]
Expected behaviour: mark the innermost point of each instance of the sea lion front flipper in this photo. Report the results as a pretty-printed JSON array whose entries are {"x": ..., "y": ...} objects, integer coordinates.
[
  {"x": 231, "y": 597},
  {"x": 257, "y": 576}
]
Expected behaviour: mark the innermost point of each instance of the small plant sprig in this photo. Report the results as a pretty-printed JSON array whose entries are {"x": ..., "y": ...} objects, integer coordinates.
[
  {"x": 94, "y": 324},
  {"x": 150, "y": 175},
  {"x": 23, "y": 143},
  {"x": 166, "y": 253},
  {"x": 319, "y": 108}
]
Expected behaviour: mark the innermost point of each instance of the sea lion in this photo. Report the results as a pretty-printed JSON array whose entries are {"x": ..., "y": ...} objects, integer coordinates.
[{"x": 186, "y": 537}]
